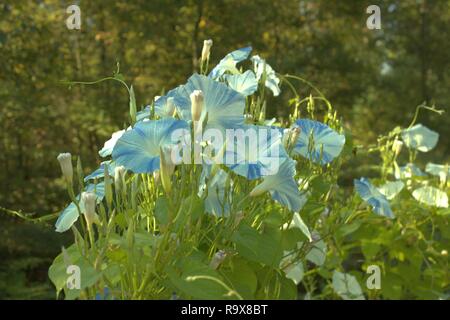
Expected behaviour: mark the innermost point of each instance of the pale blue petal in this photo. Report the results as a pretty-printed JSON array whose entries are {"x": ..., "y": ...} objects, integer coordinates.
[
  {"x": 373, "y": 197},
  {"x": 143, "y": 114},
  {"x": 181, "y": 103},
  {"x": 70, "y": 214},
  {"x": 255, "y": 153},
  {"x": 225, "y": 107},
  {"x": 109, "y": 145},
  {"x": 228, "y": 63},
  {"x": 420, "y": 138},
  {"x": 272, "y": 81},
  {"x": 241, "y": 54},
  {"x": 100, "y": 172},
  {"x": 328, "y": 143},
  {"x": 283, "y": 187},
  {"x": 67, "y": 218},
  {"x": 244, "y": 83},
  {"x": 138, "y": 149}
]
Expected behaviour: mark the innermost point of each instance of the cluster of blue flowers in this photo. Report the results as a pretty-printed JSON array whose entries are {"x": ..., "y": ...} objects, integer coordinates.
[
  {"x": 139, "y": 148},
  {"x": 417, "y": 138}
]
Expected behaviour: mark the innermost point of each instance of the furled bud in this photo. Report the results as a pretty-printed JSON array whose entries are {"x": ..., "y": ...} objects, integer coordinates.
[
  {"x": 119, "y": 177},
  {"x": 197, "y": 102},
  {"x": 166, "y": 167},
  {"x": 397, "y": 147},
  {"x": 65, "y": 160},
  {"x": 207, "y": 44},
  {"x": 217, "y": 260},
  {"x": 89, "y": 200}
]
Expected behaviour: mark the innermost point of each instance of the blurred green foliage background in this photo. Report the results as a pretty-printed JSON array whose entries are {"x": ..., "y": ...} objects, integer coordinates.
[{"x": 375, "y": 79}]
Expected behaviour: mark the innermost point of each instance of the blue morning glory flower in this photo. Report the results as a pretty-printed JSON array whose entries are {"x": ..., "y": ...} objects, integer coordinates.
[
  {"x": 138, "y": 149},
  {"x": 224, "y": 106},
  {"x": 244, "y": 83},
  {"x": 228, "y": 64},
  {"x": 328, "y": 143},
  {"x": 420, "y": 138},
  {"x": 282, "y": 187},
  {"x": 373, "y": 197},
  {"x": 100, "y": 172},
  {"x": 272, "y": 81},
  {"x": 215, "y": 186},
  {"x": 255, "y": 151},
  {"x": 70, "y": 214}
]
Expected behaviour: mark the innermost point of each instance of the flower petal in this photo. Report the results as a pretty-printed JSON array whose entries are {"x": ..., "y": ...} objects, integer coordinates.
[
  {"x": 328, "y": 143},
  {"x": 244, "y": 83},
  {"x": 255, "y": 151},
  {"x": 228, "y": 63},
  {"x": 420, "y": 137},
  {"x": 109, "y": 145},
  {"x": 373, "y": 197},
  {"x": 224, "y": 106},
  {"x": 138, "y": 149}
]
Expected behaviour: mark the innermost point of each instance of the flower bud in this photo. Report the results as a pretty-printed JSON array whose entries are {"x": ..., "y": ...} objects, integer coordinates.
[
  {"x": 166, "y": 167},
  {"x": 119, "y": 177},
  {"x": 217, "y": 260},
  {"x": 207, "y": 44},
  {"x": 397, "y": 147},
  {"x": 197, "y": 102},
  {"x": 90, "y": 201},
  {"x": 65, "y": 161}
]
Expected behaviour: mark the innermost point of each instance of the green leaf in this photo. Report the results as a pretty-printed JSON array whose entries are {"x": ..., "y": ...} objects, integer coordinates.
[
  {"x": 242, "y": 278},
  {"x": 162, "y": 210},
  {"x": 59, "y": 276},
  {"x": 273, "y": 284},
  {"x": 265, "y": 247},
  {"x": 58, "y": 270},
  {"x": 346, "y": 286},
  {"x": 88, "y": 276}
]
